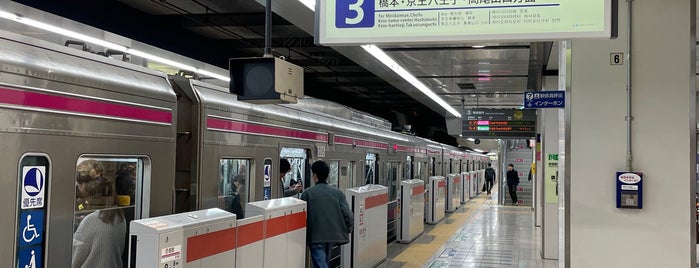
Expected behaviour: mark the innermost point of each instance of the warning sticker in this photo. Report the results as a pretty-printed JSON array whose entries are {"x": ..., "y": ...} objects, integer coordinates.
[{"x": 171, "y": 254}]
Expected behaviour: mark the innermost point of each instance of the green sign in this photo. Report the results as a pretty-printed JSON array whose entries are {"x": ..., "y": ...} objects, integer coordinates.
[
  {"x": 551, "y": 179},
  {"x": 351, "y": 22}
]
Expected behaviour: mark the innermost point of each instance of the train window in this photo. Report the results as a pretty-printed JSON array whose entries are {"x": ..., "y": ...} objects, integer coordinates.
[
  {"x": 371, "y": 169},
  {"x": 233, "y": 185},
  {"x": 298, "y": 158},
  {"x": 392, "y": 170},
  {"x": 408, "y": 168},
  {"x": 333, "y": 177},
  {"x": 108, "y": 195}
]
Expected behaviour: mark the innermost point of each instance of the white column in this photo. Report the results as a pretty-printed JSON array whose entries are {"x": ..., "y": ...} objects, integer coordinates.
[
  {"x": 664, "y": 62},
  {"x": 549, "y": 229}
]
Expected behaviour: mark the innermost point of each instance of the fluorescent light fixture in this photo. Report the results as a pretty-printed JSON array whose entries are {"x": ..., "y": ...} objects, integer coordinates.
[
  {"x": 380, "y": 55},
  {"x": 479, "y": 46},
  {"x": 478, "y": 150},
  {"x": 471, "y": 139},
  {"x": 311, "y": 4},
  {"x": 107, "y": 44}
]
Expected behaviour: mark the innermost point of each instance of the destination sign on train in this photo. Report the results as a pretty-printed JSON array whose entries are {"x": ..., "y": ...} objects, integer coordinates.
[
  {"x": 352, "y": 22},
  {"x": 499, "y": 123}
]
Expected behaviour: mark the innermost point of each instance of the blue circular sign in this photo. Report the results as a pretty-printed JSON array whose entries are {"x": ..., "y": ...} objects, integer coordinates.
[{"x": 33, "y": 182}]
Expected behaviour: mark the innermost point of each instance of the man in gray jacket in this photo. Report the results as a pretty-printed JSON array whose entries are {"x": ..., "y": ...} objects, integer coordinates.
[{"x": 329, "y": 219}]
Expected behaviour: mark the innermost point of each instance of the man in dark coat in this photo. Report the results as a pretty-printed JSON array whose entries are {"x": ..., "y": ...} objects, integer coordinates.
[{"x": 329, "y": 219}]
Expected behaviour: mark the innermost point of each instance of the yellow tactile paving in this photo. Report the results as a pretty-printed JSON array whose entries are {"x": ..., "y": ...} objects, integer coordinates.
[{"x": 417, "y": 254}]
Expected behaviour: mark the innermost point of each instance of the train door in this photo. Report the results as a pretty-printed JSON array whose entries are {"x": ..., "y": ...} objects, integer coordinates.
[
  {"x": 234, "y": 185},
  {"x": 114, "y": 189},
  {"x": 371, "y": 169},
  {"x": 300, "y": 171},
  {"x": 334, "y": 175},
  {"x": 409, "y": 167},
  {"x": 392, "y": 181},
  {"x": 346, "y": 175}
]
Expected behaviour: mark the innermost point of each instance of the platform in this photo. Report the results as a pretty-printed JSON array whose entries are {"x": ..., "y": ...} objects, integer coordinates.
[{"x": 479, "y": 234}]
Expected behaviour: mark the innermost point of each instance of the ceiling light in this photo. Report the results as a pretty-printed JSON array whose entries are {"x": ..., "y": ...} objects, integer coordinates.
[
  {"x": 479, "y": 150},
  {"x": 311, "y": 4},
  {"x": 107, "y": 44},
  {"x": 380, "y": 55},
  {"x": 478, "y": 46},
  {"x": 471, "y": 139}
]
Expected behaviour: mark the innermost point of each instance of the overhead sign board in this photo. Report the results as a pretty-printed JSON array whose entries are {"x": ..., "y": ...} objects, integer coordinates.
[
  {"x": 352, "y": 22},
  {"x": 499, "y": 123},
  {"x": 544, "y": 99}
]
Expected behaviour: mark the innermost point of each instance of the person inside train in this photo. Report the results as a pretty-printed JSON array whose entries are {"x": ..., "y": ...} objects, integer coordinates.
[
  {"x": 329, "y": 219},
  {"x": 125, "y": 181},
  {"x": 90, "y": 171},
  {"x": 512, "y": 182},
  {"x": 234, "y": 204},
  {"x": 100, "y": 238},
  {"x": 294, "y": 188}
]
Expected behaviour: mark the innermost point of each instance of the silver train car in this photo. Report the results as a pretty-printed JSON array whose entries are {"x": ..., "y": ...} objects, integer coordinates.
[
  {"x": 87, "y": 141},
  {"x": 81, "y": 136}
]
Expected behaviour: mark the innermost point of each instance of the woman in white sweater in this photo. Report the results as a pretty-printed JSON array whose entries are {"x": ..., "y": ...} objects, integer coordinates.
[{"x": 100, "y": 238}]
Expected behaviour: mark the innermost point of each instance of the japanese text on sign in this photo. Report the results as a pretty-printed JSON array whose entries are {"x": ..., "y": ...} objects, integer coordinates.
[
  {"x": 544, "y": 99},
  {"x": 349, "y": 22}
]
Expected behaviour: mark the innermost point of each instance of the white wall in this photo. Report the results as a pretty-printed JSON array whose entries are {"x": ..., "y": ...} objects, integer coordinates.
[{"x": 662, "y": 233}]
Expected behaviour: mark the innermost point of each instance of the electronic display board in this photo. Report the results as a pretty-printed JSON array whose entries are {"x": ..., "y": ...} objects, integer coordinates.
[{"x": 498, "y": 123}]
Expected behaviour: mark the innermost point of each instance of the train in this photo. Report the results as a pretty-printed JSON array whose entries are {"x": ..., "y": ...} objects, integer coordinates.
[{"x": 82, "y": 133}]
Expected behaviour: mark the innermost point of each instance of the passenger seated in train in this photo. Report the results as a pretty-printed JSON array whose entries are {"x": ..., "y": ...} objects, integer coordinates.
[{"x": 100, "y": 237}]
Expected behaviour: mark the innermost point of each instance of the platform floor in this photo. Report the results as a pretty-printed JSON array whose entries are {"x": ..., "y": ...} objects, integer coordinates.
[{"x": 480, "y": 234}]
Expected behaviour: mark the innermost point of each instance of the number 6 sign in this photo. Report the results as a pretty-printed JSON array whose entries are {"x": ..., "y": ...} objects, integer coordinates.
[{"x": 354, "y": 14}]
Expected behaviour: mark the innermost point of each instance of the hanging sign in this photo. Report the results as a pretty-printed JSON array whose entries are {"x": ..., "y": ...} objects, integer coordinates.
[{"x": 352, "y": 22}]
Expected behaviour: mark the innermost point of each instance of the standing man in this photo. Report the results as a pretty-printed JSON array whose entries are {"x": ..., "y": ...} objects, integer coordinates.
[
  {"x": 329, "y": 219},
  {"x": 512, "y": 182},
  {"x": 489, "y": 177},
  {"x": 294, "y": 188}
]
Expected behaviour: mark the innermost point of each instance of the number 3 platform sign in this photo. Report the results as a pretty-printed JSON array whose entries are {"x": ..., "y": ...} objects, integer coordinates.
[
  {"x": 354, "y": 14},
  {"x": 357, "y": 22}
]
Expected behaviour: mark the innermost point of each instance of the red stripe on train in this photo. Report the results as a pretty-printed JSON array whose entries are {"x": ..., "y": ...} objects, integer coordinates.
[
  {"x": 360, "y": 142},
  {"x": 242, "y": 127},
  {"x": 83, "y": 106}
]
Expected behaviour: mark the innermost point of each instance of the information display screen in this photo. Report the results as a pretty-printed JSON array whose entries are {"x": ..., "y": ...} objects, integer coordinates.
[
  {"x": 499, "y": 123},
  {"x": 352, "y": 22}
]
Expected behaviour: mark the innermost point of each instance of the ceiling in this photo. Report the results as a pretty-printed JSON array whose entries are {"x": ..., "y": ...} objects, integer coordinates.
[{"x": 214, "y": 31}]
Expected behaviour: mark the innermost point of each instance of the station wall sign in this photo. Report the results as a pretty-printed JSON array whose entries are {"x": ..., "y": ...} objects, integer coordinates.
[
  {"x": 353, "y": 22},
  {"x": 544, "y": 99},
  {"x": 499, "y": 123}
]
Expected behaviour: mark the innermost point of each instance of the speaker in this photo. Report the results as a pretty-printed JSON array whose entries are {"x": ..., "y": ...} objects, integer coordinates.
[{"x": 266, "y": 80}]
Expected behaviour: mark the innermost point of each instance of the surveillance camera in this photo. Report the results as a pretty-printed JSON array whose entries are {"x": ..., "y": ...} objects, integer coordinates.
[{"x": 478, "y": 141}]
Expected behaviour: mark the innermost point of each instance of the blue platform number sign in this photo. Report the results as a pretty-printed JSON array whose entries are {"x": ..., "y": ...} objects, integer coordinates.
[
  {"x": 267, "y": 187},
  {"x": 31, "y": 218},
  {"x": 354, "y": 13}
]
